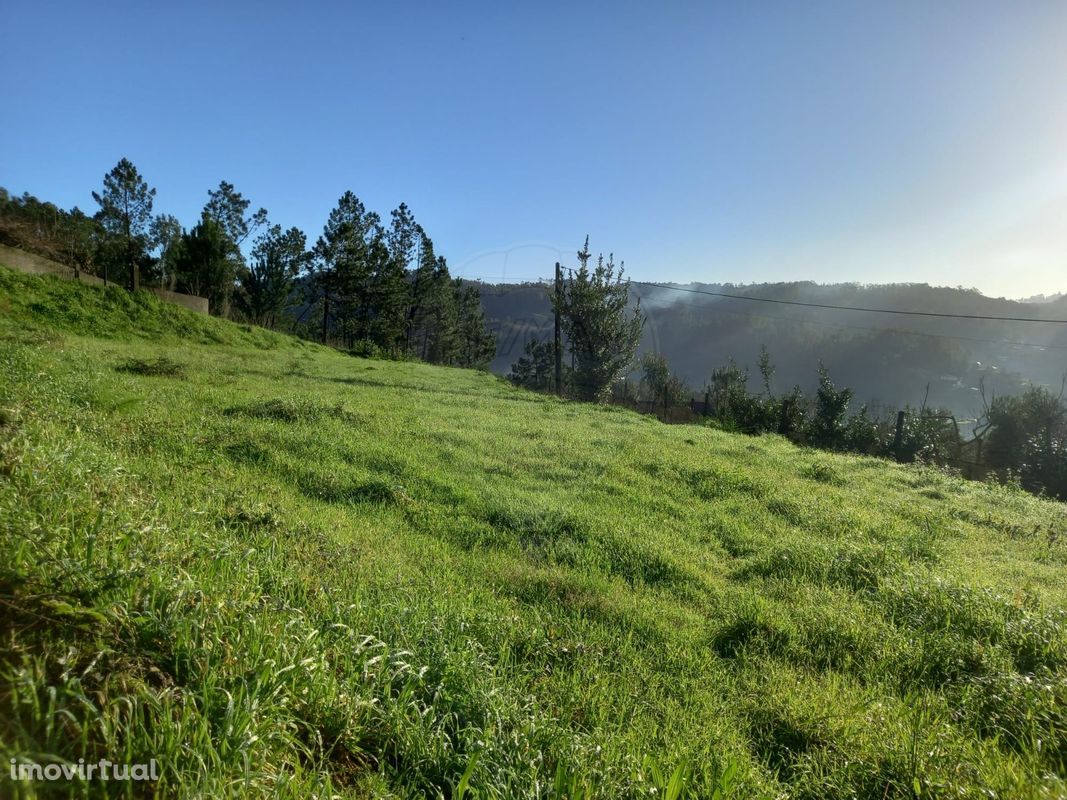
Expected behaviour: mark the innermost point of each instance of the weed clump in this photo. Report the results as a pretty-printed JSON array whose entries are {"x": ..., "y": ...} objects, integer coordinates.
[
  {"x": 332, "y": 489},
  {"x": 293, "y": 411},
  {"x": 160, "y": 367},
  {"x": 822, "y": 472},
  {"x": 859, "y": 568},
  {"x": 1018, "y": 711},
  {"x": 717, "y": 484}
]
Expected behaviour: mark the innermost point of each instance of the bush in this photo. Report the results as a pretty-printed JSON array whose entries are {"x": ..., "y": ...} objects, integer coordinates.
[{"x": 1028, "y": 437}]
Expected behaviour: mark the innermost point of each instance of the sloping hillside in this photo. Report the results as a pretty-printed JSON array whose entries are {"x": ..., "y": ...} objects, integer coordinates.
[{"x": 279, "y": 570}]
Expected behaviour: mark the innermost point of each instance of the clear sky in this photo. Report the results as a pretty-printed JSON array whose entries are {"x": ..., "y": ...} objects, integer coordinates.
[{"x": 749, "y": 141}]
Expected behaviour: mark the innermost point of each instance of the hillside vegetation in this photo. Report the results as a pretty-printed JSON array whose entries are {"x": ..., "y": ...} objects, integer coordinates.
[
  {"x": 283, "y": 571},
  {"x": 888, "y": 360}
]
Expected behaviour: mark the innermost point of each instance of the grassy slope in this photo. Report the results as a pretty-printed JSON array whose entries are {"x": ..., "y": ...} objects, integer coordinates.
[{"x": 289, "y": 571}]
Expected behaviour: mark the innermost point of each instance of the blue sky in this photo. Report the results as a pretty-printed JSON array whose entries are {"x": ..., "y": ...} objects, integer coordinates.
[{"x": 709, "y": 142}]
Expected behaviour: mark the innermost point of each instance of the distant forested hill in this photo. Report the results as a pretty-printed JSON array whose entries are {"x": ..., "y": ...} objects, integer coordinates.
[{"x": 888, "y": 359}]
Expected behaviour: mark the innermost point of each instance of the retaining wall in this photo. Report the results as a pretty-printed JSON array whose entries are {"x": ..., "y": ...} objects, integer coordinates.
[{"x": 38, "y": 265}]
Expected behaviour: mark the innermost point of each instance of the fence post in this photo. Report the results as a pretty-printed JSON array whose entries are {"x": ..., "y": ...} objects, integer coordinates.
[
  {"x": 898, "y": 436},
  {"x": 783, "y": 418}
]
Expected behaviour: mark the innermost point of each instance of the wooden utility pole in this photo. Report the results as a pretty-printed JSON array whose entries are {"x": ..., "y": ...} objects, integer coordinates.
[{"x": 559, "y": 335}]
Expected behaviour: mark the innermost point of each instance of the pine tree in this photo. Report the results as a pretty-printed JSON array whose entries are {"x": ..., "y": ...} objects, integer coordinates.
[
  {"x": 403, "y": 237},
  {"x": 205, "y": 264},
  {"x": 602, "y": 334},
  {"x": 228, "y": 210},
  {"x": 420, "y": 310},
  {"x": 390, "y": 292},
  {"x": 477, "y": 344},
  {"x": 343, "y": 269},
  {"x": 535, "y": 369},
  {"x": 442, "y": 341},
  {"x": 268, "y": 282},
  {"x": 126, "y": 213}
]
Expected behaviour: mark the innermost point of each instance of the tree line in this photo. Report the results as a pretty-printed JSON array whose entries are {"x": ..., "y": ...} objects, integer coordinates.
[
  {"x": 374, "y": 288},
  {"x": 1019, "y": 439}
]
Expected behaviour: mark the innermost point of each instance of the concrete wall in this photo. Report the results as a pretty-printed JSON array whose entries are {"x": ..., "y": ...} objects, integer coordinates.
[
  {"x": 38, "y": 265},
  {"x": 190, "y": 301}
]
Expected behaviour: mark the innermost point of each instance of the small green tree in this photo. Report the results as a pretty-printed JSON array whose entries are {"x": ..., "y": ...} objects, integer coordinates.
[
  {"x": 728, "y": 390},
  {"x": 766, "y": 369},
  {"x": 663, "y": 389},
  {"x": 267, "y": 284},
  {"x": 827, "y": 427},
  {"x": 1028, "y": 438},
  {"x": 602, "y": 331},
  {"x": 535, "y": 369}
]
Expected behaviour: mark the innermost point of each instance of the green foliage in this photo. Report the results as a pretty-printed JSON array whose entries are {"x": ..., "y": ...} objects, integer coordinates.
[
  {"x": 735, "y": 408},
  {"x": 1028, "y": 439},
  {"x": 167, "y": 239},
  {"x": 928, "y": 435},
  {"x": 602, "y": 334},
  {"x": 206, "y": 264},
  {"x": 69, "y": 237},
  {"x": 212, "y": 252},
  {"x": 126, "y": 215},
  {"x": 366, "y": 293},
  {"x": 266, "y": 285},
  {"x": 228, "y": 208},
  {"x": 830, "y": 413},
  {"x": 536, "y": 368},
  {"x": 664, "y": 390},
  {"x": 476, "y": 345},
  {"x": 343, "y": 269}
]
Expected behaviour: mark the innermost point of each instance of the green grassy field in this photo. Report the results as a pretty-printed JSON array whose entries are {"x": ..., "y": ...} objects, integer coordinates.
[{"x": 283, "y": 571}]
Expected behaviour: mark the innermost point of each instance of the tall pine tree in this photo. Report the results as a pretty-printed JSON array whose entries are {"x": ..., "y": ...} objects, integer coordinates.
[
  {"x": 344, "y": 269},
  {"x": 477, "y": 344},
  {"x": 126, "y": 214}
]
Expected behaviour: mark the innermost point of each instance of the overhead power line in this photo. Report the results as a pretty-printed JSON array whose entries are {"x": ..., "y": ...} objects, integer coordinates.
[
  {"x": 857, "y": 308},
  {"x": 852, "y": 308},
  {"x": 898, "y": 331}
]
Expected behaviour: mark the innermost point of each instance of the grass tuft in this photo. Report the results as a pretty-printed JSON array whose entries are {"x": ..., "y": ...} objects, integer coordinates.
[{"x": 157, "y": 367}]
